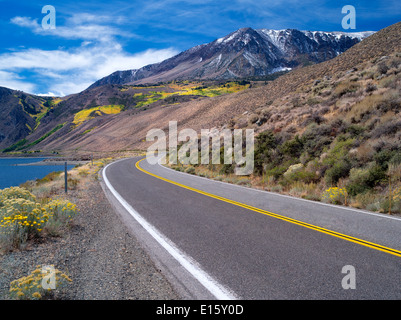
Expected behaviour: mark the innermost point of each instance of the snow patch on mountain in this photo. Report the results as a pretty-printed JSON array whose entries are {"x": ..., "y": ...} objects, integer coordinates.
[{"x": 254, "y": 61}]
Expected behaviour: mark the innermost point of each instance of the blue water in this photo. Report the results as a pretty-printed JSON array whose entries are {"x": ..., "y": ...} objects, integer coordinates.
[{"x": 12, "y": 176}]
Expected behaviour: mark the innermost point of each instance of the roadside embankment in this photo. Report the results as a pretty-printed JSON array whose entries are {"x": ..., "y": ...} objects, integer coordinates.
[{"x": 102, "y": 258}]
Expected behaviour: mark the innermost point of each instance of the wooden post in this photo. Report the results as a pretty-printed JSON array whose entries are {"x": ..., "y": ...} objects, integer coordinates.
[
  {"x": 65, "y": 178},
  {"x": 345, "y": 195},
  {"x": 390, "y": 196}
]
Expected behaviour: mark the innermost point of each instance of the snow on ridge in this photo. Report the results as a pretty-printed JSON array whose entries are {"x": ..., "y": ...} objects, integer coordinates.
[
  {"x": 230, "y": 37},
  {"x": 193, "y": 49},
  {"x": 233, "y": 36},
  {"x": 280, "y": 69},
  {"x": 275, "y": 34},
  {"x": 338, "y": 34},
  {"x": 277, "y": 37},
  {"x": 360, "y": 35}
]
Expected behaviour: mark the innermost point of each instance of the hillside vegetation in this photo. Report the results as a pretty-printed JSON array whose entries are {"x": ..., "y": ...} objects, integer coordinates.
[
  {"x": 336, "y": 140},
  {"x": 43, "y": 119}
]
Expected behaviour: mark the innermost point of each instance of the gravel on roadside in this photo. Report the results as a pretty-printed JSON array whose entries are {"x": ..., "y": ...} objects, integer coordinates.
[{"x": 102, "y": 258}]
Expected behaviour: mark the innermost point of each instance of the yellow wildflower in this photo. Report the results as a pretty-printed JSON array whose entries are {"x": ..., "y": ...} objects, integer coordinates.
[{"x": 37, "y": 295}]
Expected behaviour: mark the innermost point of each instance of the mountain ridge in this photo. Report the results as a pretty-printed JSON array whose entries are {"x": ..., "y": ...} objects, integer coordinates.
[
  {"x": 127, "y": 129},
  {"x": 242, "y": 53}
]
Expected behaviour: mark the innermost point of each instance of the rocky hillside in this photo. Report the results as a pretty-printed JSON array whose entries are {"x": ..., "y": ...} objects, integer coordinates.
[
  {"x": 114, "y": 122},
  {"x": 331, "y": 132},
  {"x": 243, "y": 53},
  {"x": 20, "y": 115},
  {"x": 336, "y": 140},
  {"x": 37, "y": 121}
]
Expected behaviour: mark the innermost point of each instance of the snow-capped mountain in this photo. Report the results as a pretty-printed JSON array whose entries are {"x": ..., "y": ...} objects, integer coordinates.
[{"x": 243, "y": 53}]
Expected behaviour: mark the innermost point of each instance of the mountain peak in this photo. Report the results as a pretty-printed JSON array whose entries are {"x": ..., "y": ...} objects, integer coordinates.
[
  {"x": 240, "y": 33},
  {"x": 243, "y": 53}
]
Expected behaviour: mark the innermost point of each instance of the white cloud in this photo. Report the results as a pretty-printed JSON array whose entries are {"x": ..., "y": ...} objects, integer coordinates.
[
  {"x": 14, "y": 81},
  {"x": 26, "y": 22},
  {"x": 70, "y": 70},
  {"x": 80, "y": 26},
  {"x": 49, "y": 94}
]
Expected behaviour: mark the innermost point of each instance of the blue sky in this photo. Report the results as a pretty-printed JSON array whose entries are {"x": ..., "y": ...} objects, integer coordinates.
[{"x": 95, "y": 38}]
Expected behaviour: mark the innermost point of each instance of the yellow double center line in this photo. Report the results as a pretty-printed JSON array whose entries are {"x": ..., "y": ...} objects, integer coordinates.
[{"x": 271, "y": 214}]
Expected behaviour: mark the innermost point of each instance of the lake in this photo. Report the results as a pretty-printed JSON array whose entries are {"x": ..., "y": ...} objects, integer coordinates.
[{"x": 12, "y": 175}]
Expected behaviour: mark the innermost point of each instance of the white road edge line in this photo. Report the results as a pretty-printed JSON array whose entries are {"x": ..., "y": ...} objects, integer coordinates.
[
  {"x": 287, "y": 196},
  {"x": 188, "y": 263}
]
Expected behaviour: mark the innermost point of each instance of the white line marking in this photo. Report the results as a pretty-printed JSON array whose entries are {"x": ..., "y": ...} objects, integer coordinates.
[
  {"x": 286, "y": 196},
  {"x": 188, "y": 263}
]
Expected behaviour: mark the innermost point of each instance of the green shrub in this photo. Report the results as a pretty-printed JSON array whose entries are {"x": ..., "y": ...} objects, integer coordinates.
[
  {"x": 339, "y": 170},
  {"x": 369, "y": 200},
  {"x": 339, "y": 150},
  {"x": 301, "y": 176},
  {"x": 385, "y": 206},
  {"x": 265, "y": 143},
  {"x": 293, "y": 148},
  {"x": 362, "y": 180},
  {"x": 355, "y": 130},
  {"x": 396, "y": 158},
  {"x": 17, "y": 146},
  {"x": 382, "y": 158},
  {"x": 276, "y": 172},
  {"x": 227, "y": 169},
  {"x": 395, "y": 202}
]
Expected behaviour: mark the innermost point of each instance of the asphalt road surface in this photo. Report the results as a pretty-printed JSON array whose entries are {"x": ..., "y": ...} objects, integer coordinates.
[{"x": 217, "y": 240}]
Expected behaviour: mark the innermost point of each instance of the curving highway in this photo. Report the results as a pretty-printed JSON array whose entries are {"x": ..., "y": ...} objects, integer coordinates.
[{"x": 215, "y": 240}]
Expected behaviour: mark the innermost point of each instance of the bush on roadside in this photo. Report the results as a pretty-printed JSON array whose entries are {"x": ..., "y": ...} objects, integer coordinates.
[
  {"x": 339, "y": 170},
  {"x": 395, "y": 202},
  {"x": 49, "y": 177},
  {"x": 35, "y": 285},
  {"x": 190, "y": 170},
  {"x": 367, "y": 200},
  {"x": 15, "y": 193},
  {"x": 335, "y": 195},
  {"x": 22, "y": 217},
  {"x": 364, "y": 179},
  {"x": 300, "y": 176}
]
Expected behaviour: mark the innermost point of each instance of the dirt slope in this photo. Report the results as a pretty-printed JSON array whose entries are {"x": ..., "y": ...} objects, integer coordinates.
[{"x": 128, "y": 129}]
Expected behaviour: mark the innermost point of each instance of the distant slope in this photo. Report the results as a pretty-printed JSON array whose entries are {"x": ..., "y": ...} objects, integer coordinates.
[
  {"x": 29, "y": 122},
  {"x": 128, "y": 128},
  {"x": 20, "y": 115},
  {"x": 243, "y": 53}
]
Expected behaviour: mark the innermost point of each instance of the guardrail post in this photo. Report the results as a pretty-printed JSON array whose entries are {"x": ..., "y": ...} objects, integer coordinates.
[{"x": 65, "y": 178}]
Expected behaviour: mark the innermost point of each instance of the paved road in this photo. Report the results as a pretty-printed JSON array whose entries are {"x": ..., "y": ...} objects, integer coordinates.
[{"x": 256, "y": 255}]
